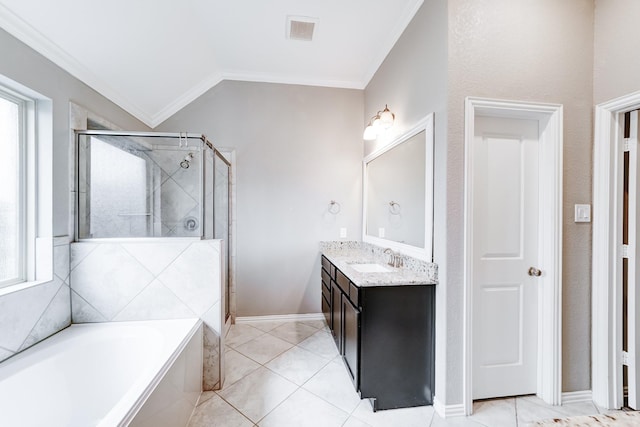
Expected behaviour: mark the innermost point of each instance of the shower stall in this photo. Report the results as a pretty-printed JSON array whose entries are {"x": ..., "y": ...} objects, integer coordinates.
[
  {"x": 152, "y": 217},
  {"x": 145, "y": 185}
]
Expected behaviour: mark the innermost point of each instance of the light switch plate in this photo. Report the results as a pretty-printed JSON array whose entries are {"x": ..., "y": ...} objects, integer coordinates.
[
  {"x": 343, "y": 232},
  {"x": 582, "y": 213}
]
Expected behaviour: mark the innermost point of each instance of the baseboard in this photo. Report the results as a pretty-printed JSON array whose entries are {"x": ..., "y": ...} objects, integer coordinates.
[
  {"x": 577, "y": 396},
  {"x": 448, "y": 411},
  {"x": 280, "y": 318}
]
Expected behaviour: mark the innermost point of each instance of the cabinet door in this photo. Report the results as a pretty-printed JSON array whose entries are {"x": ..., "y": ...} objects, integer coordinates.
[
  {"x": 336, "y": 309},
  {"x": 326, "y": 310},
  {"x": 351, "y": 341}
]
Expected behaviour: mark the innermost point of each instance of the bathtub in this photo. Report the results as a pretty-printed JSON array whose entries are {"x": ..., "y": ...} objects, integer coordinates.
[{"x": 139, "y": 374}]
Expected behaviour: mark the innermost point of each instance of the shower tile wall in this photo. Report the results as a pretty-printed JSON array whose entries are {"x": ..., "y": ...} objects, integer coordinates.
[
  {"x": 128, "y": 186},
  {"x": 148, "y": 281},
  {"x": 33, "y": 314}
]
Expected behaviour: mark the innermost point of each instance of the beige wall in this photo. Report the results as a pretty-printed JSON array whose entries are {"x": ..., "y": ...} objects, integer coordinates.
[
  {"x": 531, "y": 50},
  {"x": 297, "y": 148},
  {"x": 617, "y": 63}
]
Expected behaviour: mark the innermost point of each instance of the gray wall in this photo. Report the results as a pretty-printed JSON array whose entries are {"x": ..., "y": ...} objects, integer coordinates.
[
  {"x": 531, "y": 50},
  {"x": 297, "y": 148},
  {"x": 617, "y": 63},
  {"x": 413, "y": 82},
  {"x": 24, "y": 65},
  {"x": 525, "y": 50},
  {"x": 31, "y": 315}
]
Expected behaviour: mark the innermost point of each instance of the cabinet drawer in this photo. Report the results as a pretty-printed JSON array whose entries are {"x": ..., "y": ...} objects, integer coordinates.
[
  {"x": 354, "y": 294},
  {"x": 325, "y": 278},
  {"x": 326, "y": 310},
  {"x": 342, "y": 281},
  {"x": 325, "y": 263},
  {"x": 326, "y": 293}
]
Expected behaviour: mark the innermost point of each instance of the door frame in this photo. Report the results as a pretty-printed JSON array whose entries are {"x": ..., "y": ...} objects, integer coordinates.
[
  {"x": 549, "y": 117},
  {"x": 606, "y": 293}
]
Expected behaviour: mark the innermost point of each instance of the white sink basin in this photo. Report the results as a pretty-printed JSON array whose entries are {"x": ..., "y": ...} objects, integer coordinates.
[{"x": 370, "y": 268}]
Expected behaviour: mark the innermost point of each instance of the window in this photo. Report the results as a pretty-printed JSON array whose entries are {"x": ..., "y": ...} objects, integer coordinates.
[
  {"x": 26, "y": 214},
  {"x": 12, "y": 182}
]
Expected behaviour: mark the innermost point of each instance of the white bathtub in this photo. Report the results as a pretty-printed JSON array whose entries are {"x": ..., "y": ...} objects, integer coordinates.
[{"x": 107, "y": 375}]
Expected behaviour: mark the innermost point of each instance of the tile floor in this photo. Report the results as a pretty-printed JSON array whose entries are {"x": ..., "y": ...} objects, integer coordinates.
[{"x": 288, "y": 374}]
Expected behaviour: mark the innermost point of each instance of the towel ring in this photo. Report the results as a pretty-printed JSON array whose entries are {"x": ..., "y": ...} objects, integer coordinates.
[
  {"x": 334, "y": 207},
  {"x": 394, "y": 208}
]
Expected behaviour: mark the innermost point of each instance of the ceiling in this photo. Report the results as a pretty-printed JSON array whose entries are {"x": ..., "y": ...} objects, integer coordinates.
[{"x": 153, "y": 57}]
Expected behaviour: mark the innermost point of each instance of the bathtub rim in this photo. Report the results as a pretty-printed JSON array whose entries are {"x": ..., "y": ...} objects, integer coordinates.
[{"x": 160, "y": 374}]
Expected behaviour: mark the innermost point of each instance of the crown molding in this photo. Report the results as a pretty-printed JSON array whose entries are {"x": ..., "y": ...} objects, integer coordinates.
[
  {"x": 390, "y": 42},
  {"x": 187, "y": 98},
  {"x": 248, "y": 76},
  {"x": 33, "y": 38},
  {"x": 216, "y": 78}
]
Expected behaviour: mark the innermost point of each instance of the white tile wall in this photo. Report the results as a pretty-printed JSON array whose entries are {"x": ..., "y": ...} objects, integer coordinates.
[
  {"x": 33, "y": 314},
  {"x": 152, "y": 280}
]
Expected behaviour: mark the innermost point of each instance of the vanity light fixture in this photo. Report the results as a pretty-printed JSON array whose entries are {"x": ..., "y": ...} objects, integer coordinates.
[{"x": 382, "y": 121}]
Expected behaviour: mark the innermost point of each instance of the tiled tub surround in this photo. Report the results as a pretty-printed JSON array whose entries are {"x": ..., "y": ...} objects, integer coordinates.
[
  {"x": 148, "y": 375},
  {"x": 343, "y": 254},
  {"x": 33, "y": 314},
  {"x": 150, "y": 280}
]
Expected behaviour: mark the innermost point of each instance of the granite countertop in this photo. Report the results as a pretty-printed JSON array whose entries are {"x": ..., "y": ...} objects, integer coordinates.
[{"x": 343, "y": 260}]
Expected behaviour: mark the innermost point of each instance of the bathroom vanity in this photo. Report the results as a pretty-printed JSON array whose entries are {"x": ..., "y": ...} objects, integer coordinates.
[{"x": 383, "y": 326}]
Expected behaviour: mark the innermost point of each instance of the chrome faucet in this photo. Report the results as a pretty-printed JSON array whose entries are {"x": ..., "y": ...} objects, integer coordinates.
[{"x": 395, "y": 259}]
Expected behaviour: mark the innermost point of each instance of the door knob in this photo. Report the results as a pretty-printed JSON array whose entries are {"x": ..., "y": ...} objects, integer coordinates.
[{"x": 534, "y": 272}]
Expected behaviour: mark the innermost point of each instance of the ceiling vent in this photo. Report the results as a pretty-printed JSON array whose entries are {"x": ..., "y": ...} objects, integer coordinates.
[{"x": 301, "y": 27}]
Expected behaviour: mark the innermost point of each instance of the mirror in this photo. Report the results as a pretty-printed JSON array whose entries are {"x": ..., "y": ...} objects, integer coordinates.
[{"x": 398, "y": 193}]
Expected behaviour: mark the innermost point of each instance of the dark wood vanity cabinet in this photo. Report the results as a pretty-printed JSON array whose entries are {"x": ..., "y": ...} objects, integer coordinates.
[{"x": 385, "y": 335}]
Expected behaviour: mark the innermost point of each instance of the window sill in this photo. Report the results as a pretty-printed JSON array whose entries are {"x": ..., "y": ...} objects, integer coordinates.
[{"x": 22, "y": 286}]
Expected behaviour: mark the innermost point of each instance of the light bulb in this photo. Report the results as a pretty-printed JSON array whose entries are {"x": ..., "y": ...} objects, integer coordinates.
[
  {"x": 386, "y": 118},
  {"x": 369, "y": 133},
  {"x": 376, "y": 123}
]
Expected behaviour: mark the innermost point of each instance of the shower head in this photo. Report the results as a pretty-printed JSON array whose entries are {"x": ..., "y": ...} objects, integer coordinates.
[{"x": 187, "y": 160}]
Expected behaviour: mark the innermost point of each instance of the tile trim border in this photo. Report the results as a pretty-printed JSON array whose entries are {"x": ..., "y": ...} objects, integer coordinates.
[
  {"x": 448, "y": 411},
  {"x": 280, "y": 318},
  {"x": 577, "y": 397}
]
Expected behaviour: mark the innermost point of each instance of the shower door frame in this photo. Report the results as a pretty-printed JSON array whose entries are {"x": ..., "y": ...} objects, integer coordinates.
[{"x": 139, "y": 134}]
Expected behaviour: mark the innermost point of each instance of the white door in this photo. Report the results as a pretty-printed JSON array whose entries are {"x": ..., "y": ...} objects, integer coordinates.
[{"x": 505, "y": 249}]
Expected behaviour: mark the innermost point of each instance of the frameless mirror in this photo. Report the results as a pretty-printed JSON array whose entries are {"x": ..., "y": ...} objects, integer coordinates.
[{"x": 398, "y": 193}]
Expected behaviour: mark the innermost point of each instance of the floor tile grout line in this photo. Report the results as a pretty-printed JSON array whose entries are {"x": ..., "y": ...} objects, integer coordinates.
[
  {"x": 277, "y": 406},
  {"x": 327, "y": 361},
  {"x": 433, "y": 415},
  {"x": 299, "y": 387},
  {"x": 260, "y": 363},
  {"x": 238, "y": 410},
  {"x": 349, "y": 414}
]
